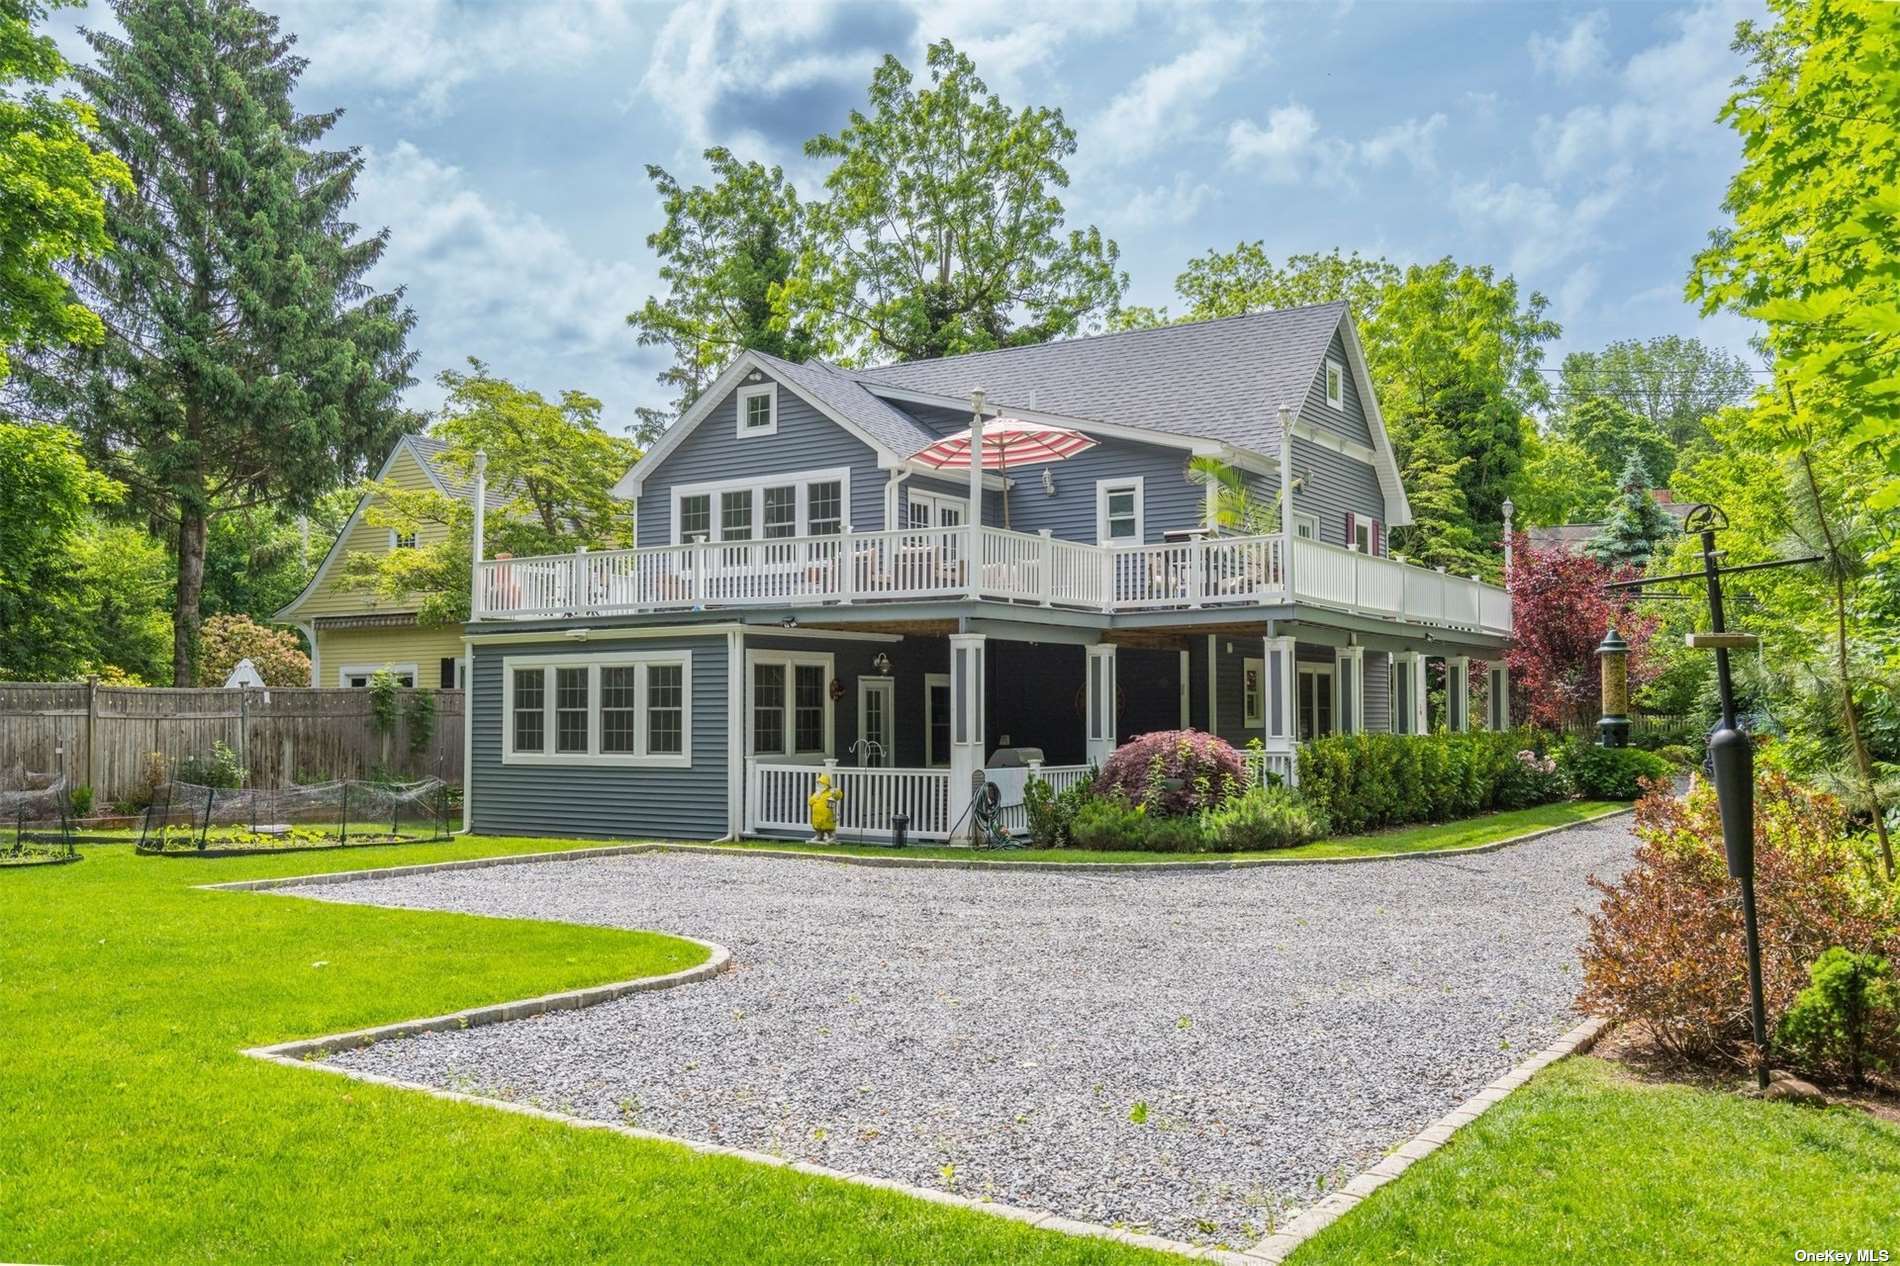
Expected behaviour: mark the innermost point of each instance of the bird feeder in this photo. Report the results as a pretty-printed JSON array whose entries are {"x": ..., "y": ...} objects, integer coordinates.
[{"x": 1613, "y": 727}]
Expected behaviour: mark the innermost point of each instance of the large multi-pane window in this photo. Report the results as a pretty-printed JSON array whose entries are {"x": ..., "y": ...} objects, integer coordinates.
[
  {"x": 803, "y": 503},
  {"x": 529, "y": 711},
  {"x": 735, "y": 516},
  {"x": 622, "y": 709},
  {"x": 791, "y": 704},
  {"x": 781, "y": 511},
  {"x": 695, "y": 517}
]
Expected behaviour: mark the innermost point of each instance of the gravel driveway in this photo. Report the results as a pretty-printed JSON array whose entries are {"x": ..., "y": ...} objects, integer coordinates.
[{"x": 1188, "y": 1054}]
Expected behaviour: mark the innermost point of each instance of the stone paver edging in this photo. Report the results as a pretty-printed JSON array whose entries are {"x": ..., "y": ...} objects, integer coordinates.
[
  {"x": 897, "y": 860},
  {"x": 1277, "y": 1247}
]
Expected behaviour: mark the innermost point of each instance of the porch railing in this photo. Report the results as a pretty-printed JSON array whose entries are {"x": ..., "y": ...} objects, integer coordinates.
[
  {"x": 777, "y": 795},
  {"x": 1000, "y": 566}
]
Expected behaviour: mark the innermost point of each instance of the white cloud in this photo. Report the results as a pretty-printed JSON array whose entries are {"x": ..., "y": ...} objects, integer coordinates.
[
  {"x": 422, "y": 52},
  {"x": 488, "y": 279},
  {"x": 1666, "y": 101},
  {"x": 1414, "y": 140},
  {"x": 1538, "y": 226},
  {"x": 1164, "y": 102},
  {"x": 1292, "y": 147},
  {"x": 1576, "y": 54},
  {"x": 1577, "y": 290},
  {"x": 1168, "y": 204},
  {"x": 1284, "y": 150}
]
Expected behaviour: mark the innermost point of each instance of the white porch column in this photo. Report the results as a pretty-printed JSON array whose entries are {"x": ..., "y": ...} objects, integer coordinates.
[
  {"x": 1349, "y": 677},
  {"x": 1282, "y": 704},
  {"x": 1457, "y": 693},
  {"x": 1101, "y": 702},
  {"x": 1498, "y": 696},
  {"x": 974, "y": 551},
  {"x": 480, "y": 494},
  {"x": 967, "y": 722}
]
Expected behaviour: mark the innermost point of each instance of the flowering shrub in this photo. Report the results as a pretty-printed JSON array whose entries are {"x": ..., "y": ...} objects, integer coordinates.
[
  {"x": 1172, "y": 772},
  {"x": 1666, "y": 947}
]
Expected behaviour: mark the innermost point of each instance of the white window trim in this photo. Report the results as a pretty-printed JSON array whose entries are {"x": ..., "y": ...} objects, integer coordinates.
[
  {"x": 937, "y": 501},
  {"x": 743, "y": 396},
  {"x": 1135, "y": 483},
  {"x": 1308, "y": 521},
  {"x": 790, "y": 659},
  {"x": 930, "y": 716},
  {"x": 593, "y": 756},
  {"x": 395, "y": 541},
  {"x": 347, "y": 671},
  {"x": 461, "y": 674},
  {"x": 886, "y": 686},
  {"x": 1335, "y": 384},
  {"x": 1362, "y": 533},
  {"x": 1254, "y": 710},
  {"x": 756, "y": 485}
]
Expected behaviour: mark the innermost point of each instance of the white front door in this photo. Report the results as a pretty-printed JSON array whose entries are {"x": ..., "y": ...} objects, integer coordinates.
[
  {"x": 934, "y": 509},
  {"x": 877, "y": 698},
  {"x": 1316, "y": 701}
]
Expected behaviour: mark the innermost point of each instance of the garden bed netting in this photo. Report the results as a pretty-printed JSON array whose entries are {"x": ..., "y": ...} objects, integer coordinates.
[{"x": 194, "y": 817}]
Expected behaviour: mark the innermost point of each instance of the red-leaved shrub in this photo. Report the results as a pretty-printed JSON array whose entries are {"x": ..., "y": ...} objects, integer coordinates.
[
  {"x": 1174, "y": 771},
  {"x": 1666, "y": 949}
]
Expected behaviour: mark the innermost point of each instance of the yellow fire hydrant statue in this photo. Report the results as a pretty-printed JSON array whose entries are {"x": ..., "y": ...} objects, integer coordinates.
[{"x": 824, "y": 813}]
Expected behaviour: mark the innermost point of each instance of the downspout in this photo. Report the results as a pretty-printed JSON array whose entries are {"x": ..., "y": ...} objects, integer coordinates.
[
  {"x": 735, "y": 737},
  {"x": 975, "y": 556},
  {"x": 468, "y": 738}
]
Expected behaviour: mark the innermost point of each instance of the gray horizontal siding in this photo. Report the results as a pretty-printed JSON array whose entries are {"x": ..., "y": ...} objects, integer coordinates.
[
  {"x": 556, "y": 800},
  {"x": 1332, "y": 484},
  {"x": 1350, "y": 421},
  {"x": 1378, "y": 692},
  {"x": 805, "y": 440}
]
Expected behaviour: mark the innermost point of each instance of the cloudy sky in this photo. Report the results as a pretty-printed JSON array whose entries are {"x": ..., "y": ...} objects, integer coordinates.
[{"x": 1573, "y": 145}]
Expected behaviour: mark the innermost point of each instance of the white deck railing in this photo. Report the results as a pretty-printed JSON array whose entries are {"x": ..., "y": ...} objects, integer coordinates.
[
  {"x": 777, "y": 800},
  {"x": 1011, "y": 567}
]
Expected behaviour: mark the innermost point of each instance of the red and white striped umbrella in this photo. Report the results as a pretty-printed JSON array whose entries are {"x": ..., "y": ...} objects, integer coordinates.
[{"x": 1007, "y": 442}]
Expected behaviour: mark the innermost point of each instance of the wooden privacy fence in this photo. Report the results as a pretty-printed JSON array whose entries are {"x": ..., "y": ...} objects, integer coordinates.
[{"x": 104, "y": 736}]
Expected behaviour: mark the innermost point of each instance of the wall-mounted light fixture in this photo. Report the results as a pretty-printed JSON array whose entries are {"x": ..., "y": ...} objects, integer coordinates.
[
  {"x": 882, "y": 663},
  {"x": 1048, "y": 483}
]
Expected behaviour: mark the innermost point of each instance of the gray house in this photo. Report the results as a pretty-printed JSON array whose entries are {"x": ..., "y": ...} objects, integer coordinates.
[{"x": 805, "y": 594}]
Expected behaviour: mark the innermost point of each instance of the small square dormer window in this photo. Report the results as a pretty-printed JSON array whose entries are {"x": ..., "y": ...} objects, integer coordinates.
[
  {"x": 758, "y": 409},
  {"x": 401, "y": 540},
  {"x": 1335, "y": 384}
]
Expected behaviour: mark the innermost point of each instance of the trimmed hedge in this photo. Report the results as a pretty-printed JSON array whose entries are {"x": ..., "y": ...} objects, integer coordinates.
[
  {"x": 1363, "y": 782},
  {"x": 1612, "y": 773}
]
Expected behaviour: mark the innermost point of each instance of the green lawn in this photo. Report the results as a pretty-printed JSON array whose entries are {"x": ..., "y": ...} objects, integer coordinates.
[
  {"x": 135, "y": 1132},
  {"x": 1468, "y": 833},
  {"x": 1586, "y": 1164}
]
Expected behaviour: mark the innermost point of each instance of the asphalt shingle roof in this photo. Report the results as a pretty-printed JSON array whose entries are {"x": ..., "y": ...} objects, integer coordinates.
[
  {"x": 1221, "y": 380},
  {"x": 429, "y": 451},
  {"x": 844, "y": 395}
]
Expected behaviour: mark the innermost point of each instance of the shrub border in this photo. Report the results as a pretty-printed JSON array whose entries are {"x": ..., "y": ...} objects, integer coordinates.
[{"x": 895, "y": 860}]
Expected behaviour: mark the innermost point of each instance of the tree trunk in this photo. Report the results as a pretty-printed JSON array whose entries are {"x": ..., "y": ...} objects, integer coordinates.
[{"x": 191, "y": 584}]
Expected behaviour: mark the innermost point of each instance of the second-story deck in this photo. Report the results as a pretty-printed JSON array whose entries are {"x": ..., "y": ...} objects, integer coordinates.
[{"x": 985, "y": 565}]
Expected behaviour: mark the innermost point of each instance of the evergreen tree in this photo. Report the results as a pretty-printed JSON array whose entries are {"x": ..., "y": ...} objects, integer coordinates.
[
  {"x": 245, "y": 362},
  {"x": 1637, "y": 527}
]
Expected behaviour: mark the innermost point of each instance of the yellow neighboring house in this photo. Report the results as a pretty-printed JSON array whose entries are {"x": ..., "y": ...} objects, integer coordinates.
[{"x": 353, "y": 634}]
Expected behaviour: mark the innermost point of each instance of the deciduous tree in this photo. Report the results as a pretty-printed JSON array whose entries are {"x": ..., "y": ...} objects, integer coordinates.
[
  {"x": 942, "y": 231},
  {"x": 1561, "y": 612},
  {"x": 1676, "y": 384}
]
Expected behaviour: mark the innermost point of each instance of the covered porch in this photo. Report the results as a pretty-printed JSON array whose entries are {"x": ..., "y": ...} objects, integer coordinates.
[{"x": 905, "y": 718}]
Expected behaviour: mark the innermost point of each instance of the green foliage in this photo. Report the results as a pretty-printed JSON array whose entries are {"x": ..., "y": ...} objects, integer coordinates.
[
  {"x": 724, "y": 251},
  {"x": 1109, "y": 822},
  {"x": 47, "y": 493},
  {"x": 79, "y": 800},
  {"x": 1237, "y": 509},
  {"x": 1847, "y": 1021},
  {"x": 1637, "y": 527},
  {"x": 1262, "y": 818},
  {"x": 1363, "y": 782},
  {"x": 553, "y": 464},
  {"x": 419, "y": 715},
  {"x": 942, "y": 232},
  {"x": 222, "y": 768},
  {"x": 385, "y": 701},
  {"x": 1614, "y": 437},
  {"x": 1680, "y": 755},
  {"x": 1674, "y": 384},
  {"x": 245, "y": 361},
  {"x": 1051, "y": 813},
  {"x": 226, "y": 639},
  {"x": 53, "y": 189},
  {"x": 1559, "y": 483},
  {"x": 1171, "y": 772},
  {"x": 1611, "y": 773},
  {"x": 1813, "y": 247}
]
